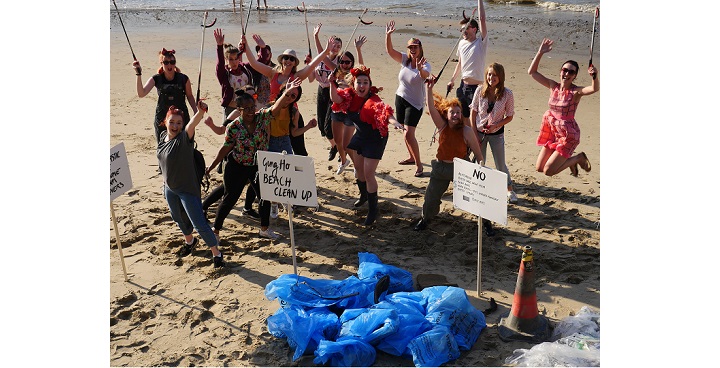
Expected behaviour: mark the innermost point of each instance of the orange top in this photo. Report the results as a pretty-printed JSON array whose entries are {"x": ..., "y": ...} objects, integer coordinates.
[{"x": 452, "y": 144}]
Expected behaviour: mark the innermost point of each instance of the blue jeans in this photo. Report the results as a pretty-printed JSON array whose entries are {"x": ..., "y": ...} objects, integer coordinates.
[
  {"x": 279, "y": 144},
  {"x": 193, "y": 216}
]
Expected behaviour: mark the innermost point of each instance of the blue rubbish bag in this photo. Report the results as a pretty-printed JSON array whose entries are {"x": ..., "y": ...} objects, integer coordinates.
[
  {"x": 303, "y": 329},
  {"x": 412, "y": 322},
  {"x": 306, "y": 292},
  {"x": 345, "y": 352},
  {"x": 369, "y": 325},
  {"x": 372, "y": 268},
  {"x": 434, "y": 348},
  {"x": 449, "y": 306}
]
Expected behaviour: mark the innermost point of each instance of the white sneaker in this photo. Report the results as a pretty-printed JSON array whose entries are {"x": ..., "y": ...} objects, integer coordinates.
[
  {"x": 274, "y": 210},
  {"x": 269, "y": 234},
  {"x": 512, "y": 197},
  {"x": 342, "y": 167}
]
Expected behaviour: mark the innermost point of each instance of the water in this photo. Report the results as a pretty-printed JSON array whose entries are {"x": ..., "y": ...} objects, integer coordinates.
[{"x": 433, "y": 8}]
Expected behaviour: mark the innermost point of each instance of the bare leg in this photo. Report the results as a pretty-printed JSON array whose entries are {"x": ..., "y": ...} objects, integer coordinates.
[
  {"x": 556, "y": 163},
  {"x": 369, "y": 167},
  {"x": 413, "y": 147},
  {"x": 338, "y": 129}
]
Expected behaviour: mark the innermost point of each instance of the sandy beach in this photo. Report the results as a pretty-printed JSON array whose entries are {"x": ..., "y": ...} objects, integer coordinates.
[{"x": 182, "y": 312}]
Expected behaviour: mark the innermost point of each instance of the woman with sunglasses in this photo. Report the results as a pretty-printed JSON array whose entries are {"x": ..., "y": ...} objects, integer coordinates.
[
  {"x": 181, "y": 188},
  {"x": 248, "y": 133},
  {"x": 410, "y": 95},
  {"x": 322, "y": 74},
  {"x": 559, "y": 132},
  {"x": 370, "y": 116},
  {"x": 287, "y": 68},
  {"x": 173, "y": 88},
  {"x": 342, "y": 127}
]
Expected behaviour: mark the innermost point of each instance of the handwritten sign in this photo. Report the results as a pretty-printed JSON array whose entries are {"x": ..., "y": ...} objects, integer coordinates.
[
  {"x": 480, "y": 190},
  {"x": 287, "y": 178},
  {"x": 120, "y": 180}
]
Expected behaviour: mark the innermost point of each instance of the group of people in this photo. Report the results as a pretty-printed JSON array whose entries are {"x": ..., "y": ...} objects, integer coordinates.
[{"x": 260, "y": 98}]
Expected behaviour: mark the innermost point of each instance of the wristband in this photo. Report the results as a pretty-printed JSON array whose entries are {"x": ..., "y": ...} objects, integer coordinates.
[{"x": 138, "y": 74}]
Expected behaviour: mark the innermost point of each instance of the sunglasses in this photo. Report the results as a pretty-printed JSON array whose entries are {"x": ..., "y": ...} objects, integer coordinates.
[
  {"x": 286, "y": 57},
  {"x": 166, "y": 62},
  {"x": 345, "y": 61},
  {"x": 569, "y": 71}
]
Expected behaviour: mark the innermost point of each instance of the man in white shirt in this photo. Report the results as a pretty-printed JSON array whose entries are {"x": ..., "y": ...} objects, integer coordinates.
[{"x": 471, "y": 61}]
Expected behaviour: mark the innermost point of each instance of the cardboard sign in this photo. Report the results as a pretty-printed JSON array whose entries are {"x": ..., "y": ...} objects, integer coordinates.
[
  {"x": 287, "y": 178},
  {"x": 120, "y": 180},
  {"x": 480, "y": 190}
]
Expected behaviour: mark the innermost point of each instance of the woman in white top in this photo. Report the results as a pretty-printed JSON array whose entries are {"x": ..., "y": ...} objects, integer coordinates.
[
  {"x": 492, "y": 107},
  {"x": 410, "y": 95}
]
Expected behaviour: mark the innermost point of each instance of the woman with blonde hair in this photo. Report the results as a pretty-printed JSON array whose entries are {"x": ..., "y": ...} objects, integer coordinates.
[{"x": 492, "y": 107}]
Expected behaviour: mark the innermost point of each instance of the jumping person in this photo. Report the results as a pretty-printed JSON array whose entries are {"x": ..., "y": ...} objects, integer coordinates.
[
  {"x": 321, "y": 74},
  {"x": 559, "y": 132},
  {"x": 492, "y": 107},
  {"x": 173, "y": 89},
  {"x": 455, "y": 139},
  {"x": 410, "y": 95},
  {"x": 182, "y": 190},
  {"x": 343, "y": 128},
  {"x": 371, "y": 117},
  {"x": 471, "y": 60}
]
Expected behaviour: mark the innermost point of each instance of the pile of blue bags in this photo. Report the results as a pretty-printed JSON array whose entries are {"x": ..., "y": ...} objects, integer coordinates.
[{"x": 344, "y": 322}]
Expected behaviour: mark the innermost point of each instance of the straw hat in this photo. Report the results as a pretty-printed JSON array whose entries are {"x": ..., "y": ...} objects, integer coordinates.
[{"x": 288, "y": 52}]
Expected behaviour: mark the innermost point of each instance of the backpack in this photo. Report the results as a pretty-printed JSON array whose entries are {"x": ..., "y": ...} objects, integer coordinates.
[{"x": 199, "y": 163}]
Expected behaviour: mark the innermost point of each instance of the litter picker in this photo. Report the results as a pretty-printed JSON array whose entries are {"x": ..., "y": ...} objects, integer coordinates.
[
  {"x": 307, "y": 32},
  {"x": 202, "y": 47},
  {"x": 128, "y": 38},
  {"x": 360, "y": 20},
  {"x": 592, "y": 40}
]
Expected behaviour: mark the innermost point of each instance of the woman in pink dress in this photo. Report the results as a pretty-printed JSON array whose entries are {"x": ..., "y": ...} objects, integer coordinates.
[{"x": 559, "y": 132}]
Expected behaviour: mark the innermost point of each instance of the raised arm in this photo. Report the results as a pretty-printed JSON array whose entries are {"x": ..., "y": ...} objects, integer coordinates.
[
  {"x": 481, "y": 16},
  {"x": 394, "y": 54},
  {"x": 220, "y": 73},
  {"x": 316, "y": 33},
  {"x": 308, "y": 69},
  {"x": 334, "y": 96},
  {"x": 359, "y": 42},
  {"x": 291, "y": 85},
  {"x": 545, "y": 46},
  {"x": 195, "y": 120},
  {"x": 430, "y": 102},
  {"x": 260, "y": 67},
  {"x": 595, "y": 86},
  {"x": 142, "y": 91}
]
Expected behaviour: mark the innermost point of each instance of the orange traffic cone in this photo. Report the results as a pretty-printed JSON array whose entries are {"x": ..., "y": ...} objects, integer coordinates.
[{"x": 524, "y": 323}]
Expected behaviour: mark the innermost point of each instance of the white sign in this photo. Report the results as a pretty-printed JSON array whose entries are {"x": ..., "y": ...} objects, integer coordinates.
[
  {"x": 480, "y": 190},
  {"x": 120, "y": 180},
  {"x": 287, "y": 178}
]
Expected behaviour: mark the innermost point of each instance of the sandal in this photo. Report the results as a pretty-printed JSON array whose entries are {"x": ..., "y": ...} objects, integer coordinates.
[
  {"x": 408, "y": 161},
  {"x": 584, "y": 161},
  {"x": 418, "y": 174}
]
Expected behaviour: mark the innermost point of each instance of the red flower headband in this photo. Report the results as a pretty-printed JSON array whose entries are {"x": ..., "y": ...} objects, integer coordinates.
[
  {"x": 167, "y": 52},
  {"x": 361, "y": 70}
]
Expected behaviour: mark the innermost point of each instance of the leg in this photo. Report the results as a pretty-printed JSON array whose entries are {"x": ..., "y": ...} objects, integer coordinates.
[
  {"x": 193, "y": 207},
  {"x": 234, "y": 179},
  {"x": 372, "y": 189},
  {"x": 413, "y": 147},
  {"x": 557, "y": 163},
  {"x": 175, "y": 205},
  {"x": 542, "y": 159},
  {"x": 497, "y": 146},
  {"x": 440, "y": 177},
  {"x": 213, "y": 197}
]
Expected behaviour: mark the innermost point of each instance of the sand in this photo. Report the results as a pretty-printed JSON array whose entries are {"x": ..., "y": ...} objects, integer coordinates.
[{"x": 183, "y": 312}]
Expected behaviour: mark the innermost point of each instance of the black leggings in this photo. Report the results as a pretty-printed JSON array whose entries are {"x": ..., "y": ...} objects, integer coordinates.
[
  {"x": 235, "y": 177},
  {"x": 323, "y": 112}
]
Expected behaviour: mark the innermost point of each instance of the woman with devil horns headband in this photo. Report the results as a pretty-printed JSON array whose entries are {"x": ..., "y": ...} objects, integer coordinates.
[
  {"x": 371, "y": 116},
  {"x": 173, "y": 88}
]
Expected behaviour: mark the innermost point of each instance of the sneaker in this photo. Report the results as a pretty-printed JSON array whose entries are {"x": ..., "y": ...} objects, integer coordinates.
[
  {"x": 269, "y": 234},
  {"x": 188, "y": 248},
  {"x": 342, "y": 167},
  {"x": 421, "y": 225},
  {"x": 333, "y": 152},
  {"x": 218, "y": 261},
  {"x": 251, "y": 212},
  {"x": 274, "y": 210},
  {"x": 512, "y": 197}
]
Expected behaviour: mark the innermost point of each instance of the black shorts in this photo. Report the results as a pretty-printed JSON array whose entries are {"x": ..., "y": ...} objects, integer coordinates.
[
  {"x": 465, "y": 94},
  {"x": 406, "y": 113}
]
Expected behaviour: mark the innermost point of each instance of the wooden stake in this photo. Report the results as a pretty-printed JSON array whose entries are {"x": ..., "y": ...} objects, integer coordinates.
[{"x": 117, "y": 239}]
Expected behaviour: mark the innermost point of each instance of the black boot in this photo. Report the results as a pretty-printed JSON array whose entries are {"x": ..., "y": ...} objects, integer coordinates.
[
  {"x": 373, "y": 208},
  {"x": 363, "y": 193},
  {"x": 488, "y": 227}
]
